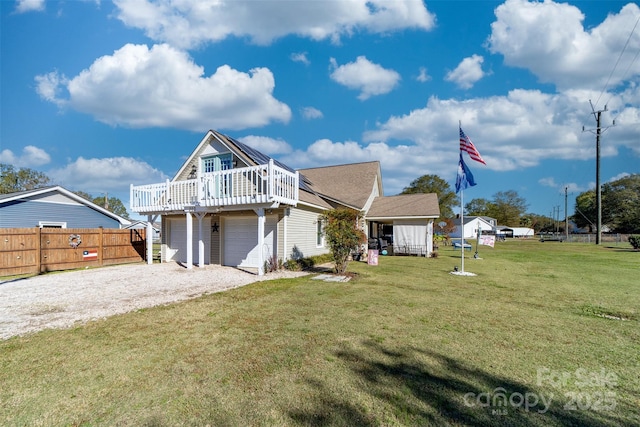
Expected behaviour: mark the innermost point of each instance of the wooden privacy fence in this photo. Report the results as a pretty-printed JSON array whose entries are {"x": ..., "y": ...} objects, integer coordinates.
[{"x": 37, "y": 250}]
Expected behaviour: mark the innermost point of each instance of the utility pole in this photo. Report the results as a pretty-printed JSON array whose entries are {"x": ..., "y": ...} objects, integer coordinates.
[
  {"x": 566, "y": 215},
  {"x": 597, "y": 115}
]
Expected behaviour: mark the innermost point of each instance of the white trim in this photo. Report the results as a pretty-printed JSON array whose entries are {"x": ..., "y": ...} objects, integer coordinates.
[{"x": 53, "y": 224}]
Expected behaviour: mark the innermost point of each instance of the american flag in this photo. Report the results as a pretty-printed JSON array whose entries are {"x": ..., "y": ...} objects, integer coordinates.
[{"x": 467, "y": 145}]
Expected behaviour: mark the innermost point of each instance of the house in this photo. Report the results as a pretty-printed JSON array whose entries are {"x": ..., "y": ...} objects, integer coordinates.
[
  {"x": 473, "y": 224},
  {"x": 155, "y": 227},
  {"x": 249, "y": 208},
  {"x": 54, "y": 207}
]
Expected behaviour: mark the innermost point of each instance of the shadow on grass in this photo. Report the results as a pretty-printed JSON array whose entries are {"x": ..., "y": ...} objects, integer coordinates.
[{"x": 421, "y": 387}]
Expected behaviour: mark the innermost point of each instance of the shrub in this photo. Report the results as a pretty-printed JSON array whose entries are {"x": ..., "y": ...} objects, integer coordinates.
[
  {"x": 342, "y": 235},
  {"x": 635, "y": 242}
]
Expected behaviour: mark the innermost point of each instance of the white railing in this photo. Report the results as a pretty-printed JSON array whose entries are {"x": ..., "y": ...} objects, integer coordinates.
[{"x": 242, "y": 186}]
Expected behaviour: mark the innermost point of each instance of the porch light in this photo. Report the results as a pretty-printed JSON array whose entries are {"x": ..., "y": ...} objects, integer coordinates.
[{"x": 193, "y": 173}]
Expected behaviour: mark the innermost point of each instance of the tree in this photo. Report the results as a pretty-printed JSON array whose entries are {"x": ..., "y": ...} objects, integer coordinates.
[
  {"x": 113, "y": 204},
  {"x": 343, "y": 235},
  {"x": 479, "y": 207},
  {"x": 12, "y": 180},
  {"x": 434, "y": 184},
  {"x": 507, "y": 207},
  {"x": 620, "y": 205}
]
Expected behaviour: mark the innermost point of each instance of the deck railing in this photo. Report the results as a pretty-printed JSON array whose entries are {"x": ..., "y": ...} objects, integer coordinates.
[{"x": 242, "y": 186}]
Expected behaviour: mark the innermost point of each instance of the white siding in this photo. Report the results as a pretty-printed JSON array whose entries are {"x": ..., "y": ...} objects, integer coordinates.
[
  {"x": 177, "y": 240},
  {"x": 301, "y": 234}
]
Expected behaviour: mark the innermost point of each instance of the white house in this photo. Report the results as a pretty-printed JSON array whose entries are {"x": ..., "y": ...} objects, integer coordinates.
[
  {"x": 473, "y": 224},
  {"x": 229, "y": 204}
]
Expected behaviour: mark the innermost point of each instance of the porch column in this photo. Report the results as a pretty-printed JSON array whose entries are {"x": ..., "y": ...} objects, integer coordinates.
[
  {"x": 150, "y": 219},
  {"x": 200, "y": 216},
  {"x": 189, "y": 240},
  {"x": 261, "y": 221}
]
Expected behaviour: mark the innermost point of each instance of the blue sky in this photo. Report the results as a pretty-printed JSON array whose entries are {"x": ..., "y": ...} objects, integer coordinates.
[{"x": 100, "y": 95}]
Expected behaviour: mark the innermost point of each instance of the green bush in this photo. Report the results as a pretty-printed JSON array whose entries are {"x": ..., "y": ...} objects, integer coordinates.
[
  {"x": 635, "y": 242},
  {"x": 306, "y": 263}
]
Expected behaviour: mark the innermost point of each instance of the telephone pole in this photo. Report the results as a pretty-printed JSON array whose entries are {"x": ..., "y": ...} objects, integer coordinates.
[
  {"x": 597, "y": 115},
  {"x": 566, "y": 215}
]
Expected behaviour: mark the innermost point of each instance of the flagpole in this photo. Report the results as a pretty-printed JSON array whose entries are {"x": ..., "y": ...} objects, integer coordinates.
[
  {"x": 462, "y": 228},
  {"x": 461, "y": 218}
]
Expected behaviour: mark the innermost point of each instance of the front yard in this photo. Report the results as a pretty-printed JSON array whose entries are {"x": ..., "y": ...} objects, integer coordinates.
[{"x": 543, "y": 335}]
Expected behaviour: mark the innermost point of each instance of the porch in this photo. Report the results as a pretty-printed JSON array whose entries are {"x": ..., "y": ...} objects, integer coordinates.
[{"x": 248, "y": 187}]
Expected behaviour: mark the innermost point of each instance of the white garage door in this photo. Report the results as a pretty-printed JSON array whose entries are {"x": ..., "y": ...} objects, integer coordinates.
[
  {"x": 241, "y": 240},
  {"x": 177, "y": 250}
]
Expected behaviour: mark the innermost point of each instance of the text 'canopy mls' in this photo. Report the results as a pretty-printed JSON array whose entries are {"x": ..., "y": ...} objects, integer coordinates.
[{"x": 470, "y": 148}]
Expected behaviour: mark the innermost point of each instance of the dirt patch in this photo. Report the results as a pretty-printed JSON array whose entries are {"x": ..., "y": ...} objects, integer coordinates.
[{"x": 61, "y": 300}]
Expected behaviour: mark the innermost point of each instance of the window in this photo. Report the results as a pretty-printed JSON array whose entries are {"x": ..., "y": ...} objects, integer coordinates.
[
  {"x": 52, "y": 224},
  {"x": 221, "y": 186},
  {"x": 319, "y": 233},
  {"x": 221, "y": 162}
]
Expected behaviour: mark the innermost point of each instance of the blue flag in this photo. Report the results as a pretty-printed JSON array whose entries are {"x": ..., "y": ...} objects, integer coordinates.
[{"x": 464, "y": 178}]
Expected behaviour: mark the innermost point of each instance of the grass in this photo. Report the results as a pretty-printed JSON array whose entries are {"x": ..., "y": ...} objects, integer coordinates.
[{"x": 403, "y": 343}]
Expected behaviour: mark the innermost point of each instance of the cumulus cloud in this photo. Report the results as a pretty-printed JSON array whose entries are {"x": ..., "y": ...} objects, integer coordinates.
[
  {"x": 267, "y": 145},
  {"x": 300, "y": 57},
  {"x": 31, "y": 157},
  {"x": 467, "y": 73},
  {"x": 23, "y": 6},
  {"x": 113, "y": 174},
  {"x": 188, "y": 24},
  {"x": 423, "y": 76},
  {"x": 163, "y": 87},
  {"x": 550, "y": 40},
  {"x": 363, "y": 75},
  {"x": 311, "y": 113}
]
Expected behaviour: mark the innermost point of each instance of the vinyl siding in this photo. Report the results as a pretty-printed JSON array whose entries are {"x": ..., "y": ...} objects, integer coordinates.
[
  {"x": 301, "y": 234},
  {"x": 22, "y": 213}
]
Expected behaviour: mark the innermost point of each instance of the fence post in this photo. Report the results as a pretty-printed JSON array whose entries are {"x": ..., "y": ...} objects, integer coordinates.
[
  {"x": 101, "y": 247},
  {"x": 38, "y": 249}
]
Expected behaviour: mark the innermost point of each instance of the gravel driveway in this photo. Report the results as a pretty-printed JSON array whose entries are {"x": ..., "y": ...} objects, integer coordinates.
[{"x": 60, "y": 300}]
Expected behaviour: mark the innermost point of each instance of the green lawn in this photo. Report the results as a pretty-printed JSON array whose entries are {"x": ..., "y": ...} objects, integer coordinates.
[{"x": 551, "y": 327}]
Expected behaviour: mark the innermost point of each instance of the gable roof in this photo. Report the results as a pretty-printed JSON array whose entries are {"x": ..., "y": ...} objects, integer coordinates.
[
  {"x": 419, "y": 205},
  {"x": 24, "y": 195},
  {"x": 248, "y": 154},
  {"x": 350, "y": 184},
  {"x": 468, "y": 219}
]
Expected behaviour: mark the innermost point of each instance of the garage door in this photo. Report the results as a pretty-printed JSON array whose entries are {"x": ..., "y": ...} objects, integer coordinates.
[
  {"x": 177, "y": 250},
  {"x": 241, "y": 240}
]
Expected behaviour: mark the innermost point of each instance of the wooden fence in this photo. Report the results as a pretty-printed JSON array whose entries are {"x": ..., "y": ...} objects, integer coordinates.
[{"x": 38, "y": 250}]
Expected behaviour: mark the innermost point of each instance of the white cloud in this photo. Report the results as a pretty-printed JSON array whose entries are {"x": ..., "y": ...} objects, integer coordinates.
[
  {"x": 31, "y": 157},
  {"x": 267, "y": 145},
  {"x": 113, "y": 174},
  {"x": 188, "y": 24},
  {"x": 548, "y": 182},
  {"x": 23, "y": 6},
  {"x": 423, "y": 76},
  {"x": 311, "y": 113},
  {"x": 467, "y": 73},
  {"x": 300, "y": 57},
  {"x": 363, "y": 75},
  {"x": 550, "y": 40},
  {"x": 163, "y": 87}
]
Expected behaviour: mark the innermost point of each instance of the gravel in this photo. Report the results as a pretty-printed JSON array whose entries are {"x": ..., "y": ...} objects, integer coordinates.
[{"x": 64, "y": 299}]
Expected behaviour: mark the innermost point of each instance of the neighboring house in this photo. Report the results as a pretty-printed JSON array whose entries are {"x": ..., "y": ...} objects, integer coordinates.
[
  {"x": 155, "y": 227},
  {"x": 249, "y": 208},
  {"x": 473, "y": 224},
  {"x": 54, "y": 207}
]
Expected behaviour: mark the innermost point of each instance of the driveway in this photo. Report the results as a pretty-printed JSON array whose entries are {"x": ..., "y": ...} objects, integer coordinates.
[{"x": 63, "y": 299}]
